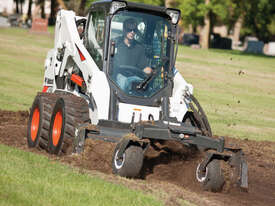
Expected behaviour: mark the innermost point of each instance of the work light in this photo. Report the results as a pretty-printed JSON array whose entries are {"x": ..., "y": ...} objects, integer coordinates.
[
  {"x": 116, "y": 5},
  {"x": 174, "y": 14}
]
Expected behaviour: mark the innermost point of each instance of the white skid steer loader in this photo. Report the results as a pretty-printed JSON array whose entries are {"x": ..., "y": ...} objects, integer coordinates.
[{"x": 111, "y": 76}]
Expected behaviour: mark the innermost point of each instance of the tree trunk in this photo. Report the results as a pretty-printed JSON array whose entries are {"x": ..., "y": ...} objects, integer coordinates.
[
  {"x": 30, "y": 9},
  {"x": 21, "y": 7},
  {"x": 206, "y": 29},
  {"x": 170, "y": 3},
  {"x": 81, "y": 10},
  {"x": 17, "y": 7},
  {"x": 52, "y": 18},
  {"x": 61, "y": 3},
  {"x": 237, "y": 30},
  {"x": 42, "y": 6}
]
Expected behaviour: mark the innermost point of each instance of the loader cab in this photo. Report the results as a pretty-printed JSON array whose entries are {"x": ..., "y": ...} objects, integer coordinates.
[
  {"x": 154, "y": 37},
  {"x": 139, "y": 42}
]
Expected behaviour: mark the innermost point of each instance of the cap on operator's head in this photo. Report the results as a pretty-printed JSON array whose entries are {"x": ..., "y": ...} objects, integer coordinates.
[{"x": 129, "y": 24}]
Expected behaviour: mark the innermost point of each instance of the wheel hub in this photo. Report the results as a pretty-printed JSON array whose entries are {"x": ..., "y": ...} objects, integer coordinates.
[
  {"x": 57, "y": 127},
  {"x": 119, "y": 161},
  {"x": 35, "y": 123},
  {"x": 201, "y": 175}
]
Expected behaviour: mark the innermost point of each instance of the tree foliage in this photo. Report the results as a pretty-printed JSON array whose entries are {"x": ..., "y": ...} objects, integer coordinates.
[
  {"x": 151, "y": 2},
  {"x": 258, "y": 15},
  {"x": 192, "y": 12},
  {"x": 259, "y": 18}
]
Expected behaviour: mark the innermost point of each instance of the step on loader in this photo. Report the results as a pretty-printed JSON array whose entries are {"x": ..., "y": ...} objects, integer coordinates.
[{"x": 111, "y": 76}]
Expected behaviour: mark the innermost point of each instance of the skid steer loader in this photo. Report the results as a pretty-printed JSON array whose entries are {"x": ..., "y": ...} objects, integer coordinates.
[{"x": 111, "y": 76}]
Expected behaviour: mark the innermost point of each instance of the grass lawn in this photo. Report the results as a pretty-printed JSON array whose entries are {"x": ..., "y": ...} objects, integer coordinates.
[
  {"x": 236, "y": 90},
  {"x": 30, "y": 179},
  {"x": 22, "y": 56}
]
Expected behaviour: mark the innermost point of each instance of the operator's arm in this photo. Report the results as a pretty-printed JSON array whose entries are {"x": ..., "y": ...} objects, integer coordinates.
[{"x": 142, "y": 60}]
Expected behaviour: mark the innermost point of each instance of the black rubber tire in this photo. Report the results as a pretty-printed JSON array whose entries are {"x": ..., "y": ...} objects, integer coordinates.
[
  {"x": 131, "y": 163},
  {"x": 212, "y": 179},
  {"x": 43, "y": 102},
  {"x": 73, "y": 112},
  {"x": 49, "y": 100},
  {"x": 35, "y": 122}
]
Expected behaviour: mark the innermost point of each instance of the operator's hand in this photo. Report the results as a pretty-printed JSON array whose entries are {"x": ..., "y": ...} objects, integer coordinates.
[{"x": 148, "y": 70}]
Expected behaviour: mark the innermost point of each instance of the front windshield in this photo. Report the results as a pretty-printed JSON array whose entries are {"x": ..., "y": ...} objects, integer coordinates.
[{"x": 139, "y": 57}]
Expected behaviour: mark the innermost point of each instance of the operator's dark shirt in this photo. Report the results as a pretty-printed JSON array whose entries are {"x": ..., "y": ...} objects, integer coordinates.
[{"x": 134, "y": 55}]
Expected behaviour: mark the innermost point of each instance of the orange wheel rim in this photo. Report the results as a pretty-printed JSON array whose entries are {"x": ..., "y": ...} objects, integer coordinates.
[
  {"x": 57, "y": 127},
  {"x": 35, "y": 123}
]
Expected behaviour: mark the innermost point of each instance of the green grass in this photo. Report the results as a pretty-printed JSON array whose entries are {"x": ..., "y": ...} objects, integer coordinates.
[
  {"x": 22, "y": 56},
  {"x": 238, "y": 105},
  {"x": 31, "y": 179}
]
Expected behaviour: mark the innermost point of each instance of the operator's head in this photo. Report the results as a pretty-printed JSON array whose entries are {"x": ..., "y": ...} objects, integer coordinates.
[{"x": 130, "y": 28}]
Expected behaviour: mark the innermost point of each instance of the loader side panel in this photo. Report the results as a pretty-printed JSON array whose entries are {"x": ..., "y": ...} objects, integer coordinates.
[
  {"x": 69, "y": 52},
  {"x": 101, "y": 93},
  {"x": 50, "y": 63},
  {"x": 178, "y": 102}
]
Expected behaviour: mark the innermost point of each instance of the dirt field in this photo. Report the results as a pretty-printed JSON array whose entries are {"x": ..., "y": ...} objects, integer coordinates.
[{"x": 173, "y": 171}]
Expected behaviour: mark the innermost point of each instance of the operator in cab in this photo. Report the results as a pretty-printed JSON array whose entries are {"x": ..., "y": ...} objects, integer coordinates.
[{"x": 130, "y": 55}]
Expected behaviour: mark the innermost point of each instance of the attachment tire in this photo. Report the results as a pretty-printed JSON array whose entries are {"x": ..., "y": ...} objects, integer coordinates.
[
  {"x": 131, "y": 162},
  {"x": 212, "y": 178}
]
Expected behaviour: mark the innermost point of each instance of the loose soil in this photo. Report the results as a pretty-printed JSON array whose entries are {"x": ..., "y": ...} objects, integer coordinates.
[{"x": 171, "y": 169}]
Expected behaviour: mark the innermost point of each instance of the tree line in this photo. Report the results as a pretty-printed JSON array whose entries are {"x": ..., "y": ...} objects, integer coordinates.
[{"x": 241, "y": 17}]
